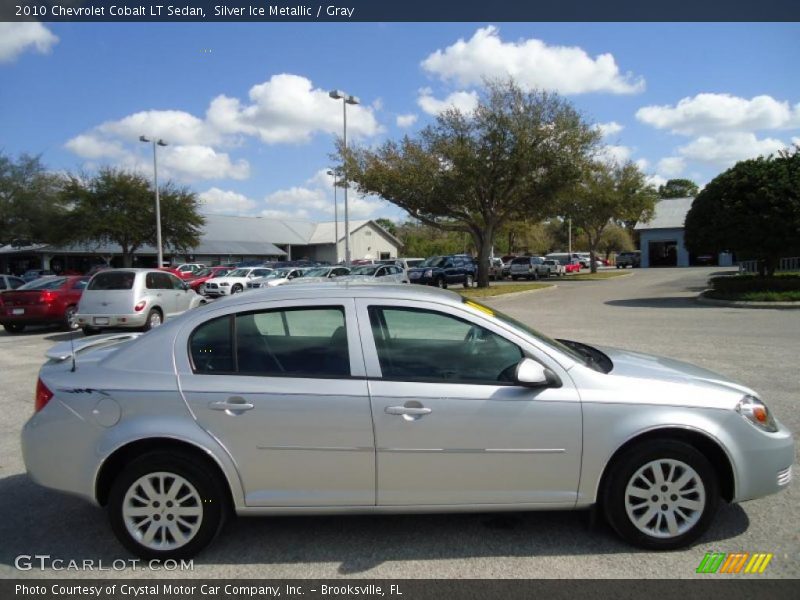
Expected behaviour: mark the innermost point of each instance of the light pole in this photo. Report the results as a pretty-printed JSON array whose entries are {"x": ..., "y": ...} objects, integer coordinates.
[
  {"x": 346, "y": 99},
  {"x": 158, "y": 201},
  {"x": 335, "y": 215}
]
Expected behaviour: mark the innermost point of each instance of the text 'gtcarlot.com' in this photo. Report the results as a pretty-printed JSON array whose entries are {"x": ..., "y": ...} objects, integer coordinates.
[{"x": 28, "y": 562}]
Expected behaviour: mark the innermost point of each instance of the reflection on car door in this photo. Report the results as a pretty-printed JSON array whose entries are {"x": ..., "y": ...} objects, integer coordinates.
[
  {"x": 160, "y": 285},
  {"x": 183, "y": 295},
  {"x": 284, "y": 391},
  {"x": 450, "y": 426}
]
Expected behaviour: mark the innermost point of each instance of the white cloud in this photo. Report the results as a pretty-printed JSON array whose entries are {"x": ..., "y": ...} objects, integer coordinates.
[
  {"x": 16, "y": 38},
  {"x": 618, "y": 154},
  {"x": 306, "y": 198},
  {"x": 93, "y": 147},
  {"x": 609, "y": 129},
  {"x": 463, "y": 101},
  {"x": 655, "y": 180},
  {"x": 709, "y": 113},
  {"x": 288, "y": 109},
  {"x": 642, "y": 163},
  {"x": 532, "y": 63},
  {"x": 226, "y": 202},
  {"x": 406, "y": 120},
  {"x": 671, "y": 166},
  {"x": 173, "y": 126},
  {"x": 203, "y": 162},
  {"x": 725, "y": 149}
]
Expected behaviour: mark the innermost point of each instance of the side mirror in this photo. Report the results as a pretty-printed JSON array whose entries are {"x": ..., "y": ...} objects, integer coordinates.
[
  {"x": 185, "y": 285},
  {"x": 530, "y": 373}
]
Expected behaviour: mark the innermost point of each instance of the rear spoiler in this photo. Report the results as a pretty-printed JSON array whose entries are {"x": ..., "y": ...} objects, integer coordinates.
[{"x": 70, "y": 349}]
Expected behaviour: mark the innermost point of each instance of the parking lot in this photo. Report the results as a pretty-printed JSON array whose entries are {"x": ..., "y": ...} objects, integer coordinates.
[{"x": 650, "y": 310}]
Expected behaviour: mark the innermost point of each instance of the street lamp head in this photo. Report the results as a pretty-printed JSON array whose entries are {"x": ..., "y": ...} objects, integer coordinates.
[
  {"x": 162, "y": 143},
  {"x": 337, "y": 94},
  {"x": 331, "y": 173},
  {"x": 352, "y": 100},
  {"x": 143, "y": 139}
]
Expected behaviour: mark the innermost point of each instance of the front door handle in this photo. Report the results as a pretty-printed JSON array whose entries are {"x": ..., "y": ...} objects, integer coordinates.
[
  {"x": 409, "y": 413},
  {"x": 233, "y": 405}
]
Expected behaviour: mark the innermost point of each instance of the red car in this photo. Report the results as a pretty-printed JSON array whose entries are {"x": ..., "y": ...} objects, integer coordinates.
[
  {"x": 573, "y": 267},
  {"x": 196, "y": 282},
  {"x": 50, "y": 300}
]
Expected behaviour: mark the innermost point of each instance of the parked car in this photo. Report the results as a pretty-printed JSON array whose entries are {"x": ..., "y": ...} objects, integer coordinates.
[
  {"x": 186, "y": 270},
  {"x": 197, "y": 282},
  {"x": 443, "y": 271},
  {"x": 10, "y": 282},
  {"x": 495, "y": 269},
  {"x": 403, "y": 263},
  {"x": 234, "y": 281},
  {"x": 44, "y": 301},
  {"x": 133, "y": 298},
  {"x": 275, "y": 278},
  {"x": 376, "y": 273},
  {"x": 529, "y": 267},
  {"x": 34, "y": 274},
  {"x": 320, "y": 274},
  {"x": 570, "y": 262},
  {"x": 438, "y": 403},
  {"x": 629, "y": 259},
  {"x": 554, "y": 267}
]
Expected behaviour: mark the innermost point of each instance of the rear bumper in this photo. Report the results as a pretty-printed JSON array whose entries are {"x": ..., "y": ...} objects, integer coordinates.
[
  {"x": 32, "y": 314},
  {"x": 128, "y": 320}
]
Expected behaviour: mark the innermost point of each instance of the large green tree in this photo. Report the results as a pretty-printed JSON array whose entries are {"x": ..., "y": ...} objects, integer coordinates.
[
  {"x": 605, "y": 194},
  {"x": 116, "y": 206},
  {"x": 752, "y": 209},
  {"x": 678, "y": 188},
  {"x": 30, "y": 204},
  {"x": 473, "y": 172}
]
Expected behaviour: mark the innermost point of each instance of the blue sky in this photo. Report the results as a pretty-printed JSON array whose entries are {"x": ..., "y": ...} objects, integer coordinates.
[{"x": 245, "y": 110}]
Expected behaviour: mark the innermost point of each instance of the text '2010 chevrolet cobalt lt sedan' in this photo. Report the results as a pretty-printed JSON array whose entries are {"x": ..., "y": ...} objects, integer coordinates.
[{"x": 343, "y": 398}]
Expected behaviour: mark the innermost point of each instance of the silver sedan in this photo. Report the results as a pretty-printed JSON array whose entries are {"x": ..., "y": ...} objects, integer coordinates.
[{"x": 344, "y": 398}]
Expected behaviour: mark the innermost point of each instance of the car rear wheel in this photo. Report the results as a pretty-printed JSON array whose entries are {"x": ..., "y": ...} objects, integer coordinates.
[
  {"x": 154, "y": 319},
  {"x": 468, "y": 281},
  {"x": 661, "y": 495},
  {"x": 236, "y": 289},
  {"x": 166, "y": 505},
  {"x": 70, "y": 320},
  {"x": 441, "y": 283},
  {"x": 14, "y": 327}
]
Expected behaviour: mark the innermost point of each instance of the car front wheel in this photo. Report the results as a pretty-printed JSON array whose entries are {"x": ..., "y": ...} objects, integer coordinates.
[
  {"x": 661, "y": 495},
  {"x": 166, "y": 505},
  {"x": 468, "y": 281}
]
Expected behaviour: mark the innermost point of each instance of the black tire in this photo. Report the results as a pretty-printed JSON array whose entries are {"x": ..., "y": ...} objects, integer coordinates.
[
  {"x": 70, "y": 322},
  {"x": 441, "y": 283},
  {"x": 514, "y": 278},
  {"x": 236, "y": 289},
  {"x": 623, "y": 470},
  {"x": 87, "y": 331},
  {"x": 535, "y": 276},
  {"x": 207, "y": 483},
  {"x": 468, "y": 281},
  {"x": 14, "y": 327},
  {"x": 149, "y": 323}
]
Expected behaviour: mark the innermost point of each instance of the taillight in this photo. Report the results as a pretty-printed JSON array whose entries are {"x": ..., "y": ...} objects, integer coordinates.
[
  {"x": 43, "y": 396},
  {"x": 47, "y": 296},
  {"x": 140, "y": 305}
]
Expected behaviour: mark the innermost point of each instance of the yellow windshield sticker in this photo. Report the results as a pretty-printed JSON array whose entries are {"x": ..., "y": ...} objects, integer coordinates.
[{"x": 480, "y": 307}]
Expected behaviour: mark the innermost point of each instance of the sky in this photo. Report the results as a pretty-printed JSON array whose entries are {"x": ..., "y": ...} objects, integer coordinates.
[{"x": 245, "y": 111}]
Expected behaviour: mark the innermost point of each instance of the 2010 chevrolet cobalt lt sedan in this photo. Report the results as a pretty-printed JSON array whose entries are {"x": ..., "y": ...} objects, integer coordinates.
[{"x": 343, "y": 398}]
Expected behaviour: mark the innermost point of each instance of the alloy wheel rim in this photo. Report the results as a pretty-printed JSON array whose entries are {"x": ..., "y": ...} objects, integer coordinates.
[
  {"x": 665, "y": 498},
  {"x": 155, "y": 319},
  {"x": 162, "y": 511}
]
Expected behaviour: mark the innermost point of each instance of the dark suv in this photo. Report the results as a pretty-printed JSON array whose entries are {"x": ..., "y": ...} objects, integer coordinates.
[
  {"x": 442, "y": 271},
  {"x": 632, "y": 259}
]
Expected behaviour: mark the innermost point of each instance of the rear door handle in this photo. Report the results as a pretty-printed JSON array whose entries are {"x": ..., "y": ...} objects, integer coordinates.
[
  {"x": 232, "y": 405},
  {"x": 412, "y": 411}
]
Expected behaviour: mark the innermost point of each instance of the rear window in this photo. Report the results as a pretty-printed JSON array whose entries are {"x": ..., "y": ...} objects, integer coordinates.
[
  {"x": 521, "y": 261},
  {"x": 44, "y": 284},
  {"x": 112, "y": 280}
]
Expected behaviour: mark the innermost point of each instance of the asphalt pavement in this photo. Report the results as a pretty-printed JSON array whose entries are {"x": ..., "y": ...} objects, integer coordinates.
[{"x": 648, "y": 310}]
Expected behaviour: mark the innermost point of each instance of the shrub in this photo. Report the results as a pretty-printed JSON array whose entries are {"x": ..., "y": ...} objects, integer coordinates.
[{"x": 742, "y": 284}]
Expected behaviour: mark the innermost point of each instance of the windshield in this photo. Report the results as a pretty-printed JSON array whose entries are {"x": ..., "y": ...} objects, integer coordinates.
[
  {"x": 279, "y": 274},
  {"x": 44, "y": 284},
  {"x": 365, "y": 270},
  {"x": 572, "y": 353},
  {"x": 433, "y": 261},
  {"x": 322, "y": 272},
  {"x": 238, "y": 273}
]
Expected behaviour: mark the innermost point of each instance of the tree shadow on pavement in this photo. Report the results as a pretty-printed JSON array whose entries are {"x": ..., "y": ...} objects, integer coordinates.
[
  {"x": 659, "y": 302},
  {"x": 40, "y": 521}
]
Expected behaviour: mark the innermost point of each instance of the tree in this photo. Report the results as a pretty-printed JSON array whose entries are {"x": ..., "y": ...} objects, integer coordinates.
[
  {"x": 30, "y": 206},
  {"x": 388, "y": 225},
  {"x": 615, "y": 238},
  {"x": 678, "y": 188},
  {"x": 752, "y": 209},
  {"x": 474, "y": 172},
  {"x": 607, "y": 193},
  {"x": 118, "y": 207},
  {"x": 424, "y": 240}
]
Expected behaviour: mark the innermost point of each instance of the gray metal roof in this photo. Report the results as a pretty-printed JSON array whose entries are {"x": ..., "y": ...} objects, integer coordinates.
[{"x": 670, "y": 213}]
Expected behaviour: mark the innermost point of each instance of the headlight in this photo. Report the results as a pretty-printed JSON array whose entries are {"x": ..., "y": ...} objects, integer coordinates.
[
  {"x": 428, "y": 273},
  {"x": 755, "y": 411}
]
